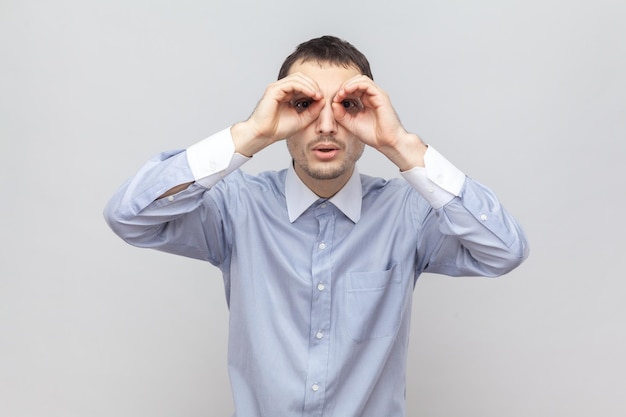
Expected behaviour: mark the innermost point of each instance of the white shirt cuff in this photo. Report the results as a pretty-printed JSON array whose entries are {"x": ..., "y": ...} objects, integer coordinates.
[
  {"x": 439, "y": 182},
  {"x": 213, "y": 158}
]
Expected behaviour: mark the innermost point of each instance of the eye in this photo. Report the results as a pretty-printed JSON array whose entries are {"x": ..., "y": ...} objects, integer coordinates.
[
  {"x": 351, "y": 105},
  {"x": 302, "y": 104}
]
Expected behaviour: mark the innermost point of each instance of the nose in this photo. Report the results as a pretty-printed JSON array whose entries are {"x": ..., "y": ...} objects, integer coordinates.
[{"x": 326, "y": 123}]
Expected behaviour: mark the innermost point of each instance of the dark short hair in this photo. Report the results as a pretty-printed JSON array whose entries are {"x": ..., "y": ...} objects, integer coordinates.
[{"x": 327, "y": 50}]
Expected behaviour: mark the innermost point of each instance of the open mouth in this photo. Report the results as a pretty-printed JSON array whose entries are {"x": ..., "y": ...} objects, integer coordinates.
[
  {"x": 325, "y": 151},
  {"x": 326, "y": 147}
]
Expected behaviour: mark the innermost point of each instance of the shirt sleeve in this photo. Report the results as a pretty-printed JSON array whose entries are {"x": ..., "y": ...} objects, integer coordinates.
[
  {"x": 213, "y": 158},
  {"x": 438, "y": 182},
  {"x": 473, "y": 232},
  {"x": 137, "y": 214}
]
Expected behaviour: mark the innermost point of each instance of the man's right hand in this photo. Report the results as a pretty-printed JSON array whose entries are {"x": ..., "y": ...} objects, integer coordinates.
[{"x": 287, "y": 106}]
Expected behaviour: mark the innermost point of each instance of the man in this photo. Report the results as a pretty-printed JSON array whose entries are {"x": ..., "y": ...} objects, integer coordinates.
[{"x": 319, "y": 262}]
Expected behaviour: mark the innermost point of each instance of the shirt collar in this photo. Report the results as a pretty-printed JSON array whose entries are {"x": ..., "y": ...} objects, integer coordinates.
[{"x": 300, "y": 197}]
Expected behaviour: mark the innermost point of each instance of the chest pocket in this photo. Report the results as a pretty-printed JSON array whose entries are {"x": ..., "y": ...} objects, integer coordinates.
[{"x": 374, "y": 303}]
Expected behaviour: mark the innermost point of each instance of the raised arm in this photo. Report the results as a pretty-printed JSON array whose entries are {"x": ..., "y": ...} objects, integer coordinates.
[
  {"x": 156, "y": 208},
  {"x": 470, "y": 232}
]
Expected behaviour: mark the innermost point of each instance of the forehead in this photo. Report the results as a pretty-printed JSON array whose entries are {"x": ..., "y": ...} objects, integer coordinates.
[{"x": 324, "y": 73}]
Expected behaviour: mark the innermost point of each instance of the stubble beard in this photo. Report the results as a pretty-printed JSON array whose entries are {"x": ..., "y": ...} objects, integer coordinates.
[
  {"x": 329, "y": 171},
  {"x": 325, "y": 173}
]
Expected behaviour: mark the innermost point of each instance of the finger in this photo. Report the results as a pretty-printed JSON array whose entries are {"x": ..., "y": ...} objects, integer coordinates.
[
  {"x": 299, "y": 84},
  {"x": 312, "y": 112},
  {"x": 358, "y": 82},
  {"x": 339, "y": 112},
  {"x": 303, "y": 79},
  {"x": 359, "y": 86},
  {"x": 345, "y": 112},
  {"x": 289, "y": 93}
]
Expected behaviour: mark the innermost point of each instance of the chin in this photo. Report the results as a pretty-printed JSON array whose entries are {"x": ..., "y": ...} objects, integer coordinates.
[{"x": 326, "y": 172}]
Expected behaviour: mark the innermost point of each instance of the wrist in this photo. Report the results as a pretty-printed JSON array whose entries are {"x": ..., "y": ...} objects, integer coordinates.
[
  {"x": 407, "y": 153},
  {"x": 246, "y": 139}
]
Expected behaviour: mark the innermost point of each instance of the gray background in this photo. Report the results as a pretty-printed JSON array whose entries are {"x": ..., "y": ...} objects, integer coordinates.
[{"x": 528, "y": 97}]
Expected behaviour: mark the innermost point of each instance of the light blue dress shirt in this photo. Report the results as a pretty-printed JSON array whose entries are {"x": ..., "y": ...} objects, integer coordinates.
[{"x": 319, "y": 290}]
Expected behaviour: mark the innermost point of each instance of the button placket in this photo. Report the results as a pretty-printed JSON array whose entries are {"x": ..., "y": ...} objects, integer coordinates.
[{"x": 321, "y": 271}]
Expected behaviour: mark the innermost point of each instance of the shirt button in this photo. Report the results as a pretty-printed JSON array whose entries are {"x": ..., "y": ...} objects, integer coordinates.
[
  {"x": 170, "y": 198},
  {"x": 315, "y": 388},
  {"x": 483, "y": 217},
  {"x": 323, "y": 205},
  {"x": 322, "y": 246},
  {"x": 320, "y": 286},
  {"x": 319, "y": 335}
]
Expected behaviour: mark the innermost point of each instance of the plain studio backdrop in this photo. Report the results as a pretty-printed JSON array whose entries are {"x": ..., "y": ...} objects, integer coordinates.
[{"x": 528, "y": 97}]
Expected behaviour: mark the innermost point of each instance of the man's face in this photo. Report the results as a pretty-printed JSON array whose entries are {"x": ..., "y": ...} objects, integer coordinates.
[{"x": 325, "y": 150}]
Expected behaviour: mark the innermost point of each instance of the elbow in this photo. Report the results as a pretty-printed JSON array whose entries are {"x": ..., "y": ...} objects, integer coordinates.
[
  {"x": 117, "y": 225},
  {"x": 129, "y": 231},
  {"x": 506, "y": 266},
  {"x": 507, "y": 260},
  {"x": 114, "y": 220}
]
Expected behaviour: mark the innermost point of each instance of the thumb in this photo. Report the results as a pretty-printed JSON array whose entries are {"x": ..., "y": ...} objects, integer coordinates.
[{"x": 340, "y": 113}]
